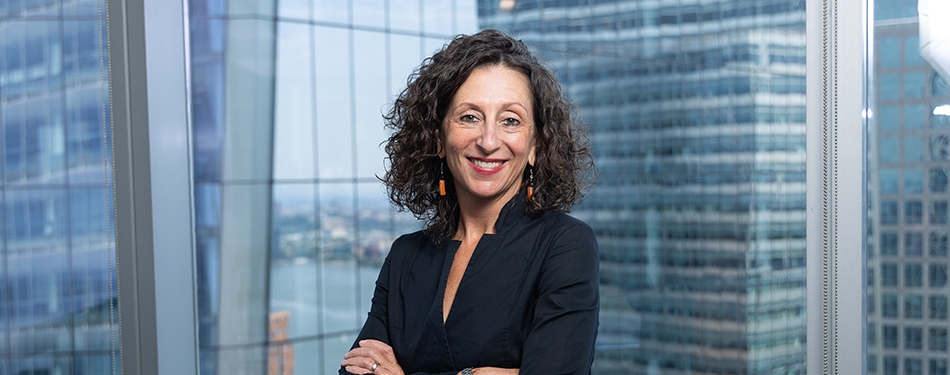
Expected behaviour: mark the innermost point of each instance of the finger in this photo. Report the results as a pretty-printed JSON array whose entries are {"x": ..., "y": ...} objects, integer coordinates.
[
  {"x": 380, "y": 348},
  {"x": 360, "y": 352},
  {"x": 357, "y": 370},
  {"x": 363, "y": 365}
]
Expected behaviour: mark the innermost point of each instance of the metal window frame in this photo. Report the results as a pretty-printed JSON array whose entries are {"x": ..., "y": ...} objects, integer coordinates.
[
  {"x": 837, "y": 102},
  {"x": 149, "y": 94}
]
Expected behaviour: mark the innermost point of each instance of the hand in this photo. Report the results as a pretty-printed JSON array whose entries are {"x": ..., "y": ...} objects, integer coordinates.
[
  {"x": 361, "y": 360},
  {"x": 494, "y": 371}
]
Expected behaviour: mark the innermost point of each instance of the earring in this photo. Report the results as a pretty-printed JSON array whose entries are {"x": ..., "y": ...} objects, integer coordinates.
[
  {"x": 441, "y": 179},
  {"x": 530, "y": 182}
]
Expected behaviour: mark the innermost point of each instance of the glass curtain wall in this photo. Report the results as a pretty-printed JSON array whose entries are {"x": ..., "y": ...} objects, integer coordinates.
[
  {"x": 697, "y": 116},
  {"x": 907, "y": 186},
  {"x": 57, "y": 249},
  {"x": 292, "y": 223}
]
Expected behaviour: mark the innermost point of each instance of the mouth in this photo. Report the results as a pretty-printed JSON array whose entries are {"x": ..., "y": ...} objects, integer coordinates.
[{"x": 484, "y": 166}]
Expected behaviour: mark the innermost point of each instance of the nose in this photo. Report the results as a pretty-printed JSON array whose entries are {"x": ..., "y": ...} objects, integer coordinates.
[{"x": 488, "y": 139}]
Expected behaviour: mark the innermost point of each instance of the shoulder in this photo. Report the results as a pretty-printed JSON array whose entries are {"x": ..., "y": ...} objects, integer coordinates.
[
  {"x": 562, "y": 226},
  {"x": 409, "y": 243}
]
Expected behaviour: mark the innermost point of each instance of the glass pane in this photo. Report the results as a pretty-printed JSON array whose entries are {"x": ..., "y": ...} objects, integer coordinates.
[
  {"x": 915, "y": 342},
  {"x": 369, "y": 70},
  {"x": 334, "y": 103},
  {"x": 294, "y": 290},
  {"x": 370, "y": 12},
  {"x": 57, "y": 255},
  {"x": 437, "y": 16},
  {"x": 699, "y": 209},
  {"x": 404, "y": 15},
  {"x": 294, "y": 104}
]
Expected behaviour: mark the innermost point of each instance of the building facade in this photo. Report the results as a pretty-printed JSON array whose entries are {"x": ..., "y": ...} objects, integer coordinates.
[
  {"x": 57, "y": 247},
  {"x": 697, "y": 118},
  {"x": 909, "y": 165}
]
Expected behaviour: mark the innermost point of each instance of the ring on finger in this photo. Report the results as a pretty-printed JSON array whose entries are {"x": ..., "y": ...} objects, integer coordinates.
[{"x": 375, "y": 366}]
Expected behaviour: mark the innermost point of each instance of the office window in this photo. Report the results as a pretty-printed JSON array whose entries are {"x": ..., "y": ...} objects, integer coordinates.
[
  {"x": 939, "y": 147},
  {"x": 913, "y": 212},
  {"x": 913, "y": 338},
  {"x": 914, "y": 117},
  {"x": 937, "y": 367},
  {"x": 913, "y": 275},
  {"x": 913, "y": 85},
  {"x": 889, "y": 305},
  {"x": 889, "y": 118},
  {"x": 890, "y": 365},
  {"x": 913, "y": 180},
  {"x": 938, "y": 275},
  {"x": 938, "y": 180},
  {"x": 888, "y": 243},
  {"x": 913, "y": 244},
  {"x": 888, "y": 274},
  {"x": 938, "y": 339},
  {"x": 938, "y": 307},
  {"x": 913, "y": 307},
  {"x": 889, "y": 86},
  {"x": 890, "y": 52},
  {"x": 889, "y": 334},
  {"x": 938, "y": 212},
  {"x": 889, "y": 181},
  {"x": 938, "y": 243},
  {"x": 889, "y": 212},
  {"x": 913, "y": 366}
]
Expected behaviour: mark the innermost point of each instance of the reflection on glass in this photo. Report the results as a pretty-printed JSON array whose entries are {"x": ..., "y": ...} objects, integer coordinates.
[
  {"x": 291, "y": 223},
  {"x": 915, "y": 341},
  {"x": 57, "y": 254},
  {"x": 699, "y": 209}
]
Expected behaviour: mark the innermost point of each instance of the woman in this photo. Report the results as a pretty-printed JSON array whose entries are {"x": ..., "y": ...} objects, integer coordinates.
[{"x": 501, "y": 281}]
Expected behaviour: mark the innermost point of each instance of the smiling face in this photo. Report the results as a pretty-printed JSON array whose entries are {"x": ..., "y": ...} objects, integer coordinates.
[{"x": 488, "y": 134}]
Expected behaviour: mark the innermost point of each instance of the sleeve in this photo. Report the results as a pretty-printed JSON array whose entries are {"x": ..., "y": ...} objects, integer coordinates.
[
  {"x": 377, "y": 322},
  {"x": 564, "y": 327}
]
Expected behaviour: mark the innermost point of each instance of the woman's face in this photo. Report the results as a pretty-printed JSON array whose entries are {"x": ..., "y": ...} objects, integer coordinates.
[{"x": 488, "y": 134}]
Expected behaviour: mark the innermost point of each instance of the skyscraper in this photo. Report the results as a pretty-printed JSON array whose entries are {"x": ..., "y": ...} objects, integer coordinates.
[
  {"x": 909, "y": 165},
  {"x": 57, "y": 248},
  {"x": 697, "y": 117}
]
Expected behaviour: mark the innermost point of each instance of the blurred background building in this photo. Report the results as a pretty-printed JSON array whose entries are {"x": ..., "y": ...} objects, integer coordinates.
[
  {"x": 57, "y": 311},
  {"x": 909, "y": 141},
  {"x": 697, "y": 116}
]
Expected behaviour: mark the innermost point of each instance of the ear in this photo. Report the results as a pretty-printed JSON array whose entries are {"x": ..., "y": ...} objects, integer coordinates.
[
  {"x": 439, "y": 143},
  {"x": 531, "y": 154}
]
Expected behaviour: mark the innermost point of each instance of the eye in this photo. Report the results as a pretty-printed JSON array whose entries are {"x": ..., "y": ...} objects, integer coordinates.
[
  {"x": 468, "y": 118},
  {"x": 511, "y": 122}
]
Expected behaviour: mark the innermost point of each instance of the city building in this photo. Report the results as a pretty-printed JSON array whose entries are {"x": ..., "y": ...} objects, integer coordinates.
[
  {"x": 697, "y": 118},
  {"x": 57, "y": 247},
  {"x": 909, "y": 140}
]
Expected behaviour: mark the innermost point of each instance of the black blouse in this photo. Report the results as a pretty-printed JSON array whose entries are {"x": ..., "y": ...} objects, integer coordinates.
[{"x": 528, "y": 299}]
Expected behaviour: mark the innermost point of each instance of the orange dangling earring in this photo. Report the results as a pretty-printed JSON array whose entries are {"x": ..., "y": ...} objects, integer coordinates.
[
  {"x": 441, "y": 179},
  {"x": 530, "y": 182}
]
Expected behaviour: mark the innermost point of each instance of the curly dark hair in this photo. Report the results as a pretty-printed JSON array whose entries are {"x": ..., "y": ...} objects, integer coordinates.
[{"x": 563, "y": 168}]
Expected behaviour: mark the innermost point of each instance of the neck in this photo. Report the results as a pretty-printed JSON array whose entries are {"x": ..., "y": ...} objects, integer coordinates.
[{"x": 478, "y": 216}]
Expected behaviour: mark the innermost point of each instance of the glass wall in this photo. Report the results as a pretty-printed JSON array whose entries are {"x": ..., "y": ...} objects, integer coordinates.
[
  {"x": 697, "y": 116},
  {"x": 57, "y": 289},
  {"x": 292, "y": 223},
  {"x": 907, "y": 187}
]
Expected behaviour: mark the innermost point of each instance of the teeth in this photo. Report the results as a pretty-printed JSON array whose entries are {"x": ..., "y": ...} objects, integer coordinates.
[{"x": 485, "y": 164}]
